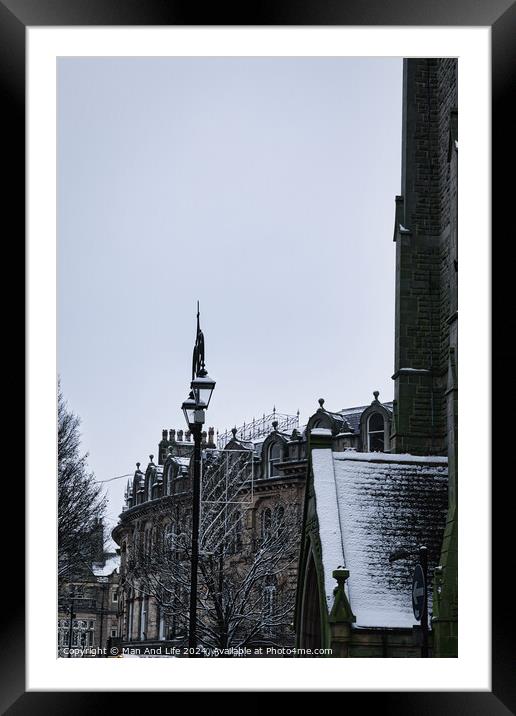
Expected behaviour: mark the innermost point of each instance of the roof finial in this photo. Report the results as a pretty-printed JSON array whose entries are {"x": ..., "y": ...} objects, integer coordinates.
[
  {"x": 151, "y": 457},
  {"x": 275, "y": 424},
  {"x": 138, "y": 466},
  {"x": 234, "y": 431},
  {"x": 376, "y": 393},
  {"x": 321, "y": 403}
]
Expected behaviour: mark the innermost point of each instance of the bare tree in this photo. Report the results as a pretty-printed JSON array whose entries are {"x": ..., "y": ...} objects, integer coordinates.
[
  {"x": 244, "y": 595},
  {"x": 81, "y": 502}
]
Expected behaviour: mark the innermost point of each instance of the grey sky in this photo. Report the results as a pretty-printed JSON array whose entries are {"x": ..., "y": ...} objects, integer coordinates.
[{"x": 264, "y": 187}]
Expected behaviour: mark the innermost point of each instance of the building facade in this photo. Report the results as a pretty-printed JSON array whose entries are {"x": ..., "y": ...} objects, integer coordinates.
[
  {"x": 87, "y": 619},
  {"x": 158, "y": 501}
]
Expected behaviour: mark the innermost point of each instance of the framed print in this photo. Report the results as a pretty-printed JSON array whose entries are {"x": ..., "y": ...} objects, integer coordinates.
[{"x": 229, "y": 185}]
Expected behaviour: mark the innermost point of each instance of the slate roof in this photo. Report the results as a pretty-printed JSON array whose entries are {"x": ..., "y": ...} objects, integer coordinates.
[{"x": 368, "y": 505}]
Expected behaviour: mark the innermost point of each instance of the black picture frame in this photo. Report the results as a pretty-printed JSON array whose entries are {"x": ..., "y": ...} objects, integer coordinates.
[{"x": 500, "y": 15}]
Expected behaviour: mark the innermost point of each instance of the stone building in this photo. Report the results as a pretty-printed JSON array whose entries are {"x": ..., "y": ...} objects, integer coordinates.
[
  {"x": 422, "y": 433},
  {"x": 159, "y": 498},
  {"x": 394, "y": 463},
  {"x": 90, "y": 599}
]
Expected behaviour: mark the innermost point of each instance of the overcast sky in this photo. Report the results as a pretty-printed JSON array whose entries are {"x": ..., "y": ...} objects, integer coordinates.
[{"x": 264, "y": 187}]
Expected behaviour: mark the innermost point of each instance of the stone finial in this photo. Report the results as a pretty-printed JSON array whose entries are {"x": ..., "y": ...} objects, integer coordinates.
[
  {"x": 376, "y": 393},
  {"x": 341, "y": 610},
  {"x": 151, "y": 458},
  {"x": 275, "y": 424},
  {"x": 138, "y": 466},
  {"x": 321, "y": 403},
  {"x": 234, "y": 431}
]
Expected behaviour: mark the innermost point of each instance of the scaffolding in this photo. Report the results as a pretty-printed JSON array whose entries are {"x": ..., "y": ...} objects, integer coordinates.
[
  {"x": 227, "y": 485},
  {"x": 260, "y": 427}
]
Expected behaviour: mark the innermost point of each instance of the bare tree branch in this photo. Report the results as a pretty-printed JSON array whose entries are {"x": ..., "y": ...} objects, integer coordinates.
[{"x": 81, "y": 503}]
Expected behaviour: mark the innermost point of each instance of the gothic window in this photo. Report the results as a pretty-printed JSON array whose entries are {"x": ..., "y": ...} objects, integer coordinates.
[
  {"x": 375, "y": 432},
  {"x": 274, "y": 457},
  {"x": 266, "y": 523}
]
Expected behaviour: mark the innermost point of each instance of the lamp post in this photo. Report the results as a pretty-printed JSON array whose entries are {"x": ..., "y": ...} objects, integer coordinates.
[{"x": 194, "y": 408}]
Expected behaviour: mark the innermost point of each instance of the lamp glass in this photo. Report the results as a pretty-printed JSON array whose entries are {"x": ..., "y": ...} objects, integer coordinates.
[
  {"x": 203, "y": 387},
  {"x": 189, "y": 407}
]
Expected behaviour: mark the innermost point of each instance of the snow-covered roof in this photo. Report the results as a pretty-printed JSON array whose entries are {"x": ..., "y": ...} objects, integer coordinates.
[
  {"x": 108, "y": 568},
  {"x": 368, "y": 505},
  {"x": 182, "y": 460}
]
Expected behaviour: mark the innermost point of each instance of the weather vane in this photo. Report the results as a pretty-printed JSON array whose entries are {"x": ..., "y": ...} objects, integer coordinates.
[{"x": 198, "y": 369}]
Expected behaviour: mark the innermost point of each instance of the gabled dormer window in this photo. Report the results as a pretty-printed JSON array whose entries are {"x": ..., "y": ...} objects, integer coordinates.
[{"x": 375, "y": 433}]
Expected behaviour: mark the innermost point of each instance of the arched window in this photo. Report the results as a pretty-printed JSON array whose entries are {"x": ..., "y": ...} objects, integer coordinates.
[
  {"x": 235, "y": 533},
  {"x": 266, "y": 523},
  {"x": 269, "y": 605},
  {"x": 147, "y": 541},
  {"x": 375, "y": 432},
  {"x": 279, "y": 519},
  {"x": 274, "y": 457},
  {"x": 170, "y": 535}
]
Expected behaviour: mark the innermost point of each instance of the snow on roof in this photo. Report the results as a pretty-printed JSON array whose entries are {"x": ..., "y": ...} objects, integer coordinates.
[
  {"x": 328, "y": 516},
  {"x": 182, "y": 460},
  {"x": 380, "y": 502},
  {"x": 390, "y": 457},
  {"x": 108, "y": 568},
  {"x": 321, "y": 431}
]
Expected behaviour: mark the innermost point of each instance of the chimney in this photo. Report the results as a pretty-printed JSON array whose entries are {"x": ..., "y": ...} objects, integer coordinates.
[
  {"x": 164, "y": 435},
  {"x": 211, "y": 433},
  {"x": 180, "y": 436},
  {"x": 187, "y": 436},
  {"x": 172, "y": 436},
  {"x": 203, "y": 438}
]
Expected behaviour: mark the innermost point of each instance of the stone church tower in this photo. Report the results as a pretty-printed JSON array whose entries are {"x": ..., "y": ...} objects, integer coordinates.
[{"x": 425, "y": 364}]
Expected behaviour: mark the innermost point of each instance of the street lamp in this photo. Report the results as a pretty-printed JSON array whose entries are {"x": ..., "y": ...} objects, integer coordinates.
[
  {"x": 202, "y": 388},
  {"x": 194, "y": 408},
  {"x": 188, "y": 407}
]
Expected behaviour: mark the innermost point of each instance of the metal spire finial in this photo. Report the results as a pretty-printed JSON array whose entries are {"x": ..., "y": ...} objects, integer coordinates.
[{"x": 198, "y": 368}]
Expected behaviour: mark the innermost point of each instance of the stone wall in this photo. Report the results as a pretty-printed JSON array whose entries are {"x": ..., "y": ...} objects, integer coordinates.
[{"x": 426, "y": 253}]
